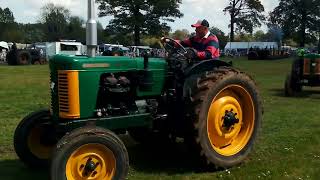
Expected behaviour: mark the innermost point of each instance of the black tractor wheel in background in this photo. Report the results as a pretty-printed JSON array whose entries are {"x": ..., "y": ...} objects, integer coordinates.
[
  {"x": 23, "y": 57},
  {"x": 11, "y": 58},
  {"x": 292, "y": 86},
  {"x": 226, "y": 116},
  {"x": 34, "y": 139},
  {"x": 90, "y": 153}
]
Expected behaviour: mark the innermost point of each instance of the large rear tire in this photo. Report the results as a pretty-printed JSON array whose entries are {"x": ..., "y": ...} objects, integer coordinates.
[
  {"x": 34, "y": 139},
  {"x": 90, "y": 153},
  {"x": 227, "y": 115}
]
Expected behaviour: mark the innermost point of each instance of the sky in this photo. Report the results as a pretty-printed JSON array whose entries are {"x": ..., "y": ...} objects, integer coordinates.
[{"x": 28, "y": 11}]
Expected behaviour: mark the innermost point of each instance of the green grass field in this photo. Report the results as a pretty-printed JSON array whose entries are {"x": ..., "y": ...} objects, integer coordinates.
[{"x": 288, "y": 146}]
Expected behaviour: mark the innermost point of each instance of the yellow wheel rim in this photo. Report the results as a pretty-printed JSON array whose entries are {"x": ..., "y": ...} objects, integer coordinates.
[
  {"x": 91, "y": 162},
  {"x": 36, "y": 147},
  {"x": 230, "y": 120}
]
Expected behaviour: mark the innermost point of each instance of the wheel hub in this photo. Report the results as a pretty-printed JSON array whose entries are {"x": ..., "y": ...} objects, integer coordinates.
[
  {"x": 229, "y": 119},
  {"x": 89, "y": 167},
  {"x": 91, "y": 162}
]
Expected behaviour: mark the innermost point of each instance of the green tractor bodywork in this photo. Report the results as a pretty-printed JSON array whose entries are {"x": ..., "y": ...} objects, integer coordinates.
[
  {"x": 77, "y": 80},
  {"x": 215, "y": 108}
]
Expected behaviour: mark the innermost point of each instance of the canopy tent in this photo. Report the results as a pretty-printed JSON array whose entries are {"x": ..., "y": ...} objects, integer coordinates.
[{"x": 4, "y": 45}]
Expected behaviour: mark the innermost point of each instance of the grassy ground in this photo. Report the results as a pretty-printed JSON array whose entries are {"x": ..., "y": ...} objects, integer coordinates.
[{"x": 288, "y": 146}]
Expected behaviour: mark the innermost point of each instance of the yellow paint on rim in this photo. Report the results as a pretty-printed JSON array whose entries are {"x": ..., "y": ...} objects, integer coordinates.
[
  {"x": 102, "y": 156},
  {"x": 37, "y": 148},
  {"x": 230, "y": 141}
]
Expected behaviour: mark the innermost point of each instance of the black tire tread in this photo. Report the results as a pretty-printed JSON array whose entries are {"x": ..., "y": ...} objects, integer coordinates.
[
  {"x": 81, "y": 134},
  {"x": 198, "y": 95},
  {"x": 20, "y": 144}
]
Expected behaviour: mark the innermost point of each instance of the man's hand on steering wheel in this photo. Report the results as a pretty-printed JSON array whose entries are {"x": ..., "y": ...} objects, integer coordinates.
[
  {"x": 191, "y": 54},
  {"x": 172, "y": 46}
]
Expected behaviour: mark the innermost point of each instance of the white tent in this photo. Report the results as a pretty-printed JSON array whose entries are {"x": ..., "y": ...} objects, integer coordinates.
[
  {"x": 4, "y": 45},
  {"x": 248, "y": 45}
]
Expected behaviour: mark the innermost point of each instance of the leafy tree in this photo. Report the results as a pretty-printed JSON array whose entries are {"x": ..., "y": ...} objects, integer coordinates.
[
  {"x": 290, "y": 42},
  {"x": 55, "y": 19},
  {"x": 76, "y": 29},
  {"x": 243, "y": 37},
  {"x": 9, "y": 30},
  {"x": 33, "y": 32},
  {"x": 245, "y": 15},
  {"x": 151, "y": 41},
  {"x": 6, "y": 16},
  {"x": 180, "y": 34},
  {"x": 223, "y": 39},
  {"x": 102, "y": 38},
  {"x": 139, "y": 16},
  {"x": 297, "y": 16},
  {"x": 13, "y": 34},
  {"x": 260, "y": 36}
]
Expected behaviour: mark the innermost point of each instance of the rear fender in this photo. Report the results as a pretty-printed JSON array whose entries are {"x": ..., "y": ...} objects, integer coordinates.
[
  {"x": 203, "y": 66},
  {"x": 192, "y": 73}
]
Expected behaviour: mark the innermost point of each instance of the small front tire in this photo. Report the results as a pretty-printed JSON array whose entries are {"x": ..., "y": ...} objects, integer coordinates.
[{"x": 90, "y": 153}]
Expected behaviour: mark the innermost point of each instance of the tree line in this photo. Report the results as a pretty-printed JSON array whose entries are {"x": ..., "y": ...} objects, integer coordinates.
[{"x": 295, "y": 22}]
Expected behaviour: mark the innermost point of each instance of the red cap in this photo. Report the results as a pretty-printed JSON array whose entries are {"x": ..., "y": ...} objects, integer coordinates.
[{"x": 200, "y": 23}]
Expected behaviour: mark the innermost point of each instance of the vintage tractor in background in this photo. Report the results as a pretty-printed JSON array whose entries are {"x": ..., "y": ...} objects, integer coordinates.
[
  {"x": 214, "y": 107},
  {"x": 305, "y": 71},
  {"x": 29, "y": 55}
]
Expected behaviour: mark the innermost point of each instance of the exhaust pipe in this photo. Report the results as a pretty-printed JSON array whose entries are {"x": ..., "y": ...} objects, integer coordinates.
[{"x": 91, "y": 31}]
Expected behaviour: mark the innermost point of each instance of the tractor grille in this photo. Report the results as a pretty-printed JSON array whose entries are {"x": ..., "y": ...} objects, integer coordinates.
[
  {"x": 68, "y": 94},
  {"x": 63, "y": 92}
]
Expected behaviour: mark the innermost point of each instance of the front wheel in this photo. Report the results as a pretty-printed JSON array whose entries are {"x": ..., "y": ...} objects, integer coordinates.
[
  {"x": 227, "y": 113},
  {"x": 90, "y": 153},
  {"x": 34, "y": 139}
]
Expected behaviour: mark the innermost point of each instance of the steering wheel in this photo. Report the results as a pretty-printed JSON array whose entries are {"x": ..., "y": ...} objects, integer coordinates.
[{"x": 169, "y": 46}]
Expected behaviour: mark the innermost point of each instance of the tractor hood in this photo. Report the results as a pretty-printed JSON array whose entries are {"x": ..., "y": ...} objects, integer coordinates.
[
  {"x": 103, "y": 63},
  {"x": 80, "y": 77}
]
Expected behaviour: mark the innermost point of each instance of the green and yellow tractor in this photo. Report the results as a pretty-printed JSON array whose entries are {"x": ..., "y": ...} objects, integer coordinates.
[{"x": 214, "y": 107}]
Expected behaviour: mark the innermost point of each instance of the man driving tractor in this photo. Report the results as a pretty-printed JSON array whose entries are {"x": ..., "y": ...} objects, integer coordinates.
[{"x": 204, "y": 44}]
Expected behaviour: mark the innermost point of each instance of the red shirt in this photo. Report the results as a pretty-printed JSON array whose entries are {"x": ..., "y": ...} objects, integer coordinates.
[{"x": 207, "y": 47}]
